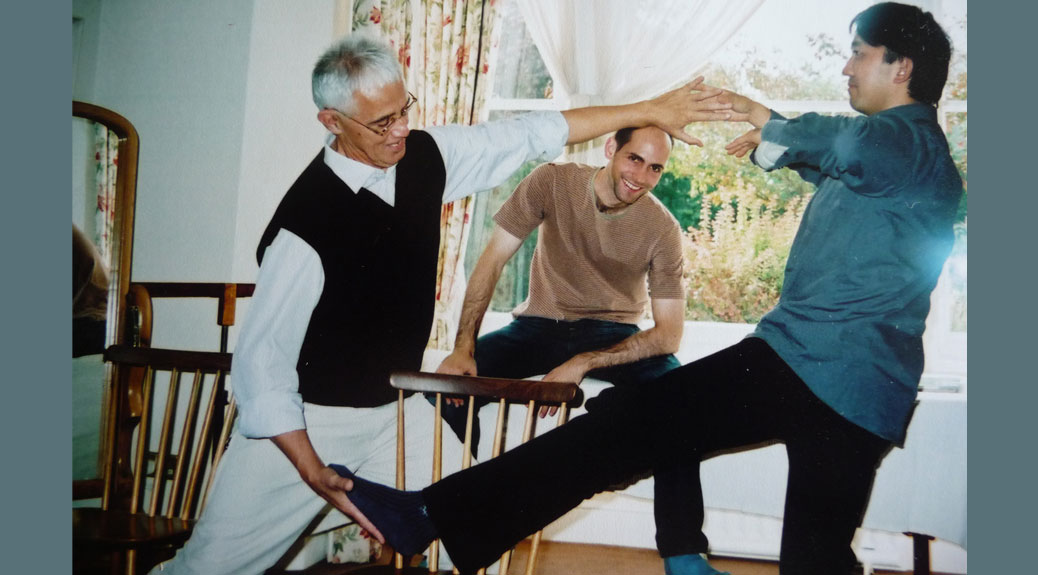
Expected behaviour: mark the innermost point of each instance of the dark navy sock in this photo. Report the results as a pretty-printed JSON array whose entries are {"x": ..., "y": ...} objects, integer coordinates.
[{"x": 399, "y": 515}]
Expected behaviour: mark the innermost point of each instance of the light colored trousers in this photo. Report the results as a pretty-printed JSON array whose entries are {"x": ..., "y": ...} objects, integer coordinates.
[{"x": 258, "y": 506}]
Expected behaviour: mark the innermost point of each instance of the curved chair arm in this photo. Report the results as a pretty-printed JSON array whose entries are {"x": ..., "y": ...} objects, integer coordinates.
[{"x": 512, "y": 390}]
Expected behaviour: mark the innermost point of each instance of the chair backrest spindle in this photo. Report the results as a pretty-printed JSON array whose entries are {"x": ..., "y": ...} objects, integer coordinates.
[
  {"x": 165, "y": 438},
  {"x": 142, "y": 441}
]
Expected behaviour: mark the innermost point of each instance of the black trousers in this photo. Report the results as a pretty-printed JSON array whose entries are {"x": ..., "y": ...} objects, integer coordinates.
[
  {"x": 533, "y": 345},
  {"x": 743, "y": 396}
]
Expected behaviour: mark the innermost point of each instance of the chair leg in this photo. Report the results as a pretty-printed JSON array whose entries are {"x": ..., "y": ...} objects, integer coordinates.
[
  {"x": 506, "y": 560},
  {"x": 131, "y": 562},
  {"x": 437, "y": 473},
  {"x": 536, "y": 542},
  {"x": 398, "y": 559},
  {"x": 920, "y": 553}
]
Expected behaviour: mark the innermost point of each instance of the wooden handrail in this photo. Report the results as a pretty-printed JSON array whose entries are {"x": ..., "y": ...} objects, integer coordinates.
[
  {"x": 166, "y": 359},
  {"x": 196, "y": 289},
  {"x": 226, "y": 294}
]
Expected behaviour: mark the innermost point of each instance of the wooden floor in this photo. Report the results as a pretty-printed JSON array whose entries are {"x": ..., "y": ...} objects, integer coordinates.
[{"x": 580, "y": 559}]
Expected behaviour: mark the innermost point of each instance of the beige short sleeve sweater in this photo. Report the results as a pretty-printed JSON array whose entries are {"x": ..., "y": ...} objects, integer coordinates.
[{"x": 590, "y": 265}]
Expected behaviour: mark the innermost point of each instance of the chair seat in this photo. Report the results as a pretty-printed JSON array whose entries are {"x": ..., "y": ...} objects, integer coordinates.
[{"x": 122, "y": 529}]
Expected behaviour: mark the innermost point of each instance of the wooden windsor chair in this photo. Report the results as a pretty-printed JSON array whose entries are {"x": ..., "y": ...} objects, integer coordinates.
[
  {"x": 148, "y": 512},
  {"x": 532, "y": 394}
]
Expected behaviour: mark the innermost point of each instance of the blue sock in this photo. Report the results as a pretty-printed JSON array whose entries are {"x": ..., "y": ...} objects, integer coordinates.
[
  {"x": 691, "y": 564},
  {"x": 399, "y": 515}
]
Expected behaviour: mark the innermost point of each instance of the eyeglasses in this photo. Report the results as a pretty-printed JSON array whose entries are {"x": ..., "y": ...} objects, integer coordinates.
[{"x": 380, "y": 128}]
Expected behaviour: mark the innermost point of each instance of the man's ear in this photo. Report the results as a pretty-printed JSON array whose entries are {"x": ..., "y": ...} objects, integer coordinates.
[
  {"x": 610, "y": 147},
  {"x": 330, "y": 120},
  {"x": 904, "y": 71}
]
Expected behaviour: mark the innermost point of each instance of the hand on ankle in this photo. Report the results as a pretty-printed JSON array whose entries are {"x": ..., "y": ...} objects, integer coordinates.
[{"x": 399, "y": 515}]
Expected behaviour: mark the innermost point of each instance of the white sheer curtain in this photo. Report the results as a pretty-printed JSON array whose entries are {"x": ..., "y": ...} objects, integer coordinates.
[
  {"x": 602, "y": 52},
  {"x": 619, "y": 51}
]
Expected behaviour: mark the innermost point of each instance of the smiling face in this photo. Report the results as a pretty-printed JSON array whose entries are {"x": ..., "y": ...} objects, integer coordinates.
[
  {"x": 873, "y": 84},
  {"x": 355, "y": 135},
  {"x": 633, "y": 169}
]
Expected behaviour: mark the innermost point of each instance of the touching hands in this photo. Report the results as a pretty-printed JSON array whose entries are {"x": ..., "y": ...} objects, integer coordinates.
[
  {"x": 755, "y": 113},
  {"x": 748, "y": 110},
  {"x": 693, "y": 102},
  {"x": 700, "y": 102},
  {"x": 739, "y": 103}
]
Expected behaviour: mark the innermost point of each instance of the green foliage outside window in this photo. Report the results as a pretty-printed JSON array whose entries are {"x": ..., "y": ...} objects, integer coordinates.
[{"x": 739, "y": 223}]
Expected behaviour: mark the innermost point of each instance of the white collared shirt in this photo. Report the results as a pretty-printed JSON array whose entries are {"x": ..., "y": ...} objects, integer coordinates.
[{"x": 291, "y": 278}]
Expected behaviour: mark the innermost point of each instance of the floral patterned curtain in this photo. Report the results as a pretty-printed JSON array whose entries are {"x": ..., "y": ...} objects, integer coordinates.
[
  {"x": 106, "y": 161},
  {"x": 443, "y": 46}
]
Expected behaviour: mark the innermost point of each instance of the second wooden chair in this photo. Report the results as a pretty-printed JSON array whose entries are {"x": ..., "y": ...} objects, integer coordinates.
[{"x": 154, "y": 492}]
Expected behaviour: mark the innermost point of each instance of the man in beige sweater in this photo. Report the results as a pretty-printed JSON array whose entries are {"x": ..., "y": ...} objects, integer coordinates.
[{"x": 606, "y": 249}]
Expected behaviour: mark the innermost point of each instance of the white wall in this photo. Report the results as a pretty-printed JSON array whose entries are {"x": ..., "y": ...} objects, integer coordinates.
[
  {"x": 177, "y": 71},
  {"x": 85, "y": 23},
  {"x": 220, "y": 95},
  {"x": 282, "y": 134}
]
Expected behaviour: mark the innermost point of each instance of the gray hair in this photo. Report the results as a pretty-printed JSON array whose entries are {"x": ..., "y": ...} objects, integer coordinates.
[{"x": 360, "y": 62}]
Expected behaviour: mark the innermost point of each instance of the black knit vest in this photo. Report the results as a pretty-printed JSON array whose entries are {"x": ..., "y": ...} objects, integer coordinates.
[{"x": 375, "y": 312}]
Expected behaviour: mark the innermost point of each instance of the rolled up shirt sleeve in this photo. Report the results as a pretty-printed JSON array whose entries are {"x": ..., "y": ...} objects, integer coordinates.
[
  {"x": 264, "y": 377},
  {"x": 767, "y": 154},
  {"x": 863, "y": 152},
  {"x": 483, "y": 156}
]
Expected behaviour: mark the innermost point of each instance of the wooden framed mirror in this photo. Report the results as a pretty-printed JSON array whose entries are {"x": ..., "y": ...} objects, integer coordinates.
[{"x": 104, "y": 184}]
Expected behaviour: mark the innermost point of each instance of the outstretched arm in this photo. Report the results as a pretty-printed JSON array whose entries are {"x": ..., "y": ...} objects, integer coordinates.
[
  {"x": 748, "y": 110},
  {"x": 480, "y": 291},
  {"x": 321, "y": 478},
  {"x": 671, "y": 112},
  {"x": 663, "y": 338}
]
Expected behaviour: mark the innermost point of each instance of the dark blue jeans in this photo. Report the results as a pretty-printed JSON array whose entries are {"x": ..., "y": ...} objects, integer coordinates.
[{"x": 533, "y": 346}]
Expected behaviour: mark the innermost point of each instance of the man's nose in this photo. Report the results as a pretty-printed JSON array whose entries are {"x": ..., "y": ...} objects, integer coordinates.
[
  {"x": 400, "y": 129},
  {"x": 644, "y": 174}
]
